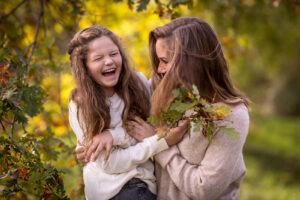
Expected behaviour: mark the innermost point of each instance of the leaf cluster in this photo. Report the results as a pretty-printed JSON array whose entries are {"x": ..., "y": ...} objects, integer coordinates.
[
  {"x": 24, "y": 171},
  {"x": 199, "y": 113},
  {"x": 25, "y": 161},
  {"x": 18, "y": 99},
  {"x": 163, "y": 9}
]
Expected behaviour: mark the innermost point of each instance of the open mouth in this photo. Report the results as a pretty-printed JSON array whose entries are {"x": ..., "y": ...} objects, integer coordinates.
[{"x": 109, "y": 72}]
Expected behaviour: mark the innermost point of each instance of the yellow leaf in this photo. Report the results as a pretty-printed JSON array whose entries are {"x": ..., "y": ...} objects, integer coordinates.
[{"x": 72, "y": 163}]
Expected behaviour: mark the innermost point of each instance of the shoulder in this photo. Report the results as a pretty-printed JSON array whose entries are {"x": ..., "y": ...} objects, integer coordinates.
[
  {"x": 142, "y": 77},
  {"x": 72, "y": 107},
  {"x": 239, "y": 116},
  {"x": 239, "y": 119},
  {"x": 239, "y": 112},
  {"x": 144, "y": 80}
]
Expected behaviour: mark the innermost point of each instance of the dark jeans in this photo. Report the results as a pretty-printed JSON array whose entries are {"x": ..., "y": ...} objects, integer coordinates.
[{"x": 135, "y": 189}]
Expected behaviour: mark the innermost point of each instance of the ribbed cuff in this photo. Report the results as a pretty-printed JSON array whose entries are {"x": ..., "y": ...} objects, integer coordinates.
[
  {"x": 165, "y": 157},
  {"x": 157, "y": 144}
]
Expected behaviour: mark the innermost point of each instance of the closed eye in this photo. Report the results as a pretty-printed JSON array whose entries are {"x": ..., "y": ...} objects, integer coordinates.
[
  {"x": 114, "y": 53},
  {"x": 164, "y": 61},
  {"x": 98, "y": 58}
]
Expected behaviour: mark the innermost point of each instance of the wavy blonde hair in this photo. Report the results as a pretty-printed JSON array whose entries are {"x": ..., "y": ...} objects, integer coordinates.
[
  {"x": 90, "y": 97},
  {"x": 196, "y": 59}
]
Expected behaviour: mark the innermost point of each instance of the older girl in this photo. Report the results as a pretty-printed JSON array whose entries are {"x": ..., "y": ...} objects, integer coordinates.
[{"x": 187, "y": 52}]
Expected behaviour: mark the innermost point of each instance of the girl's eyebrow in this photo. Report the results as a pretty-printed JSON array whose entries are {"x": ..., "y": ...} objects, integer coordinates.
[{"x": 162, "y": 58}]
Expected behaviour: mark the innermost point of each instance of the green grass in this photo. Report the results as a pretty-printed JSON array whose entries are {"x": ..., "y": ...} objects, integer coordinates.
[{"x": 272, "y": 158}]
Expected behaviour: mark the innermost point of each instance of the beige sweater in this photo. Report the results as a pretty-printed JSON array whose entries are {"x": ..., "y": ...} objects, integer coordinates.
[{"x": 197, "y": 169}]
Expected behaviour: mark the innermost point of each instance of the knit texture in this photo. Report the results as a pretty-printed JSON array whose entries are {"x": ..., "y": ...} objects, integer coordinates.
[{"x": 197, "y": 169}]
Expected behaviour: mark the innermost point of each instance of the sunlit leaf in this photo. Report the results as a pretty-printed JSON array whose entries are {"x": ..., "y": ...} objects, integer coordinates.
[
  {"x": 142, "y": 5},
  {"x": 231, "y": 133}
]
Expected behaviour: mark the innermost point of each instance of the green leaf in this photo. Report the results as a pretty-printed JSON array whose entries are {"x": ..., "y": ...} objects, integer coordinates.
[
  {"x": 196, "y": 91},
  {"x": 143, "y": 5},
  {"x": 152, "y": 120},
  {"x": 181, "y": 107},
  {"x": 189, "y": 128},
  {"x": 197, "y": 126},
  {"x": 208, "y": 109},
  {"x": 176, "y": 92},
  {"x": 230, "y": 132}
]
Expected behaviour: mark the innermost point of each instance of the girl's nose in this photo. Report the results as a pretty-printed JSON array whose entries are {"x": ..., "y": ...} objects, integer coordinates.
[
  {"x": 108, "y": 60},
  {"x": 161, "y": 69}
]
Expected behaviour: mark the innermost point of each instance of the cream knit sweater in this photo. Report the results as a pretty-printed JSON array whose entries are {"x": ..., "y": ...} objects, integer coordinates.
[{"x": 197, "y": 169}]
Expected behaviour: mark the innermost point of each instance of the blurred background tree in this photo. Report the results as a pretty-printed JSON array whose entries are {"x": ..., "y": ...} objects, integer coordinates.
[{"x": 261, "y": 40}]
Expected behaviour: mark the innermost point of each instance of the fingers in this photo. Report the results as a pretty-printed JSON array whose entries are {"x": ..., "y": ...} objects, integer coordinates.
[
  {"x": 139, "y": 120},
  {"x": 183, "y": 123},
  {"x": 138, "y": 137},
  {"x": 182, "y": 126},
  {"x": 79, "y": 149},
  {"x": 91, "y": 149},
  {"x": 133, "y": 124},
  {"x": 97, "y": 152},
  {"x": 80, "y": 154},
  {"x": 132, "y": 128},
  {"x": 81, "y": 158},
  {"x": 108, "y": 149}
]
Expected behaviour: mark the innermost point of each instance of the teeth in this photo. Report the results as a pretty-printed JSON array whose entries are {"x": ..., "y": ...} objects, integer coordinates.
[{"x": 109, "y": 70}]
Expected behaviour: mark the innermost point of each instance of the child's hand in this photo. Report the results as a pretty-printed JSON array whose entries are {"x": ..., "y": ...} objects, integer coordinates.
[
  {"x": 139, "y": 129},
  {"x": 100, "y": 141},
  {"x": 81, "y": 153}
]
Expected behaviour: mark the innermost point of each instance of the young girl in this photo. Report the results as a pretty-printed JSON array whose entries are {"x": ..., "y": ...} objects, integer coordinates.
[
  {"x": 108, "y": 93},
  {"x": 187, "y": 52}
]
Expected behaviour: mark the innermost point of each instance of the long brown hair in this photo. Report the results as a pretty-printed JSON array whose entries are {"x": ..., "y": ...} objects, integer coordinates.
[
  {"x": 90, "y": 97},
  {"x": 197, "y": 59}
]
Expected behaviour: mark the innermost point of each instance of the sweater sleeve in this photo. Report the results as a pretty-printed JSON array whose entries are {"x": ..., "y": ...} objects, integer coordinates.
[
  {"x": 123, "y": 160},
  {"x": 209, "y": 179}
]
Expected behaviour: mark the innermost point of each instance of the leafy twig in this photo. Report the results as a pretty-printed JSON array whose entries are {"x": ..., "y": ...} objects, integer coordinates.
[
  {"x": 27, "y": 49},
  {"x": 3, "y": 127},
  {"x": 33, "y": 44},
  {"x": 12, "y": 11},
  {"x": 202, "y": 114},
  {"x": 12, "y": 128}
]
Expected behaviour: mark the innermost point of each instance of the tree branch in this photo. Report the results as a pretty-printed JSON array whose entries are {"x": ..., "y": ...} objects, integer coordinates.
[
  {"x": 3, "y": 127},
  {"x": 27, "y": 49},
  {"x": 33, "y": 44},
  {"x": 12, "y": 128},
  {"x": 12, "y": 11}
]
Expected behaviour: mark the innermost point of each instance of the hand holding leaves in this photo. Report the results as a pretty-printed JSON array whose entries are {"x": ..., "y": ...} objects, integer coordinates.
[{"x": 196, "y": 110}]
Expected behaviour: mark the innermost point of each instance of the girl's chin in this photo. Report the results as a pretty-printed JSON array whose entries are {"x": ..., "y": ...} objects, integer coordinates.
[{"x": 109, "y": 83}]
